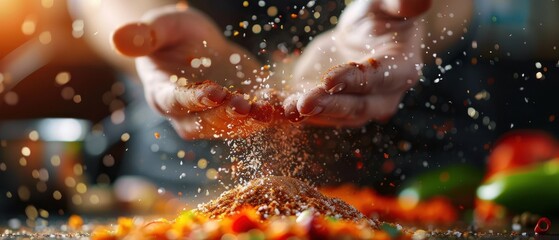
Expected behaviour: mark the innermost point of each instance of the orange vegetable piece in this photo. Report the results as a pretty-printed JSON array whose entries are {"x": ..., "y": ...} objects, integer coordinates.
[
  {"x": 75, "y": 222},
  {"x": 125, "y": 225},
  {"x": 157, "y": 229},
  {"x": 102, "y": 233}
]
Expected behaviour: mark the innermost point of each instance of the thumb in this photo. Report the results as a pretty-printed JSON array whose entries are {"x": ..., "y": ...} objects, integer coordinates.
[
  {"x": 158, "y": 28},
  {"x": 134, "y": 40}
]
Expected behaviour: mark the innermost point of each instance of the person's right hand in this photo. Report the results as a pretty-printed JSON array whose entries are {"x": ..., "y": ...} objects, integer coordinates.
[
  {"x": 359, "y": 71},
  {"x": 186, "y": 67}
]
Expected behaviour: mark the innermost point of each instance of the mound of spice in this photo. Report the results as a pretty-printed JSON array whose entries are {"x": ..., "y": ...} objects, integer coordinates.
[{"x": 279, "y": 196}]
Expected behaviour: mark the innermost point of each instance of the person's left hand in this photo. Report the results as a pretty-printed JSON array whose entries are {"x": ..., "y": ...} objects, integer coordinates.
[{"x": 369, "y": 60}]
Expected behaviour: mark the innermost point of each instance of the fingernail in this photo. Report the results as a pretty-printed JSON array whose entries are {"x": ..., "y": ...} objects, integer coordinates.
[
  {"x": 315, "y": 111},
  {"x": 238, "y": 106},
  {"x": 206, "y": 101},
  {"x": 294, "y": 117},
  {"x": 338, "y": 88},
  {"x": 232, "y": 111}
]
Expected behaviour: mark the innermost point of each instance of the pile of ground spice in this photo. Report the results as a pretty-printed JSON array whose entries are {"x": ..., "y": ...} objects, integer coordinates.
[{"x": 278, "y": 196}]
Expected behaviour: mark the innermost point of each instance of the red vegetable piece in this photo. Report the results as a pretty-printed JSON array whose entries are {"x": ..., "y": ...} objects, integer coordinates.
[
  {"x": 542, "y": 226},
  {"x": 242, "y": 223},
  {"x": 521, "y": 148},
  {"x": 318, "y": 229}
]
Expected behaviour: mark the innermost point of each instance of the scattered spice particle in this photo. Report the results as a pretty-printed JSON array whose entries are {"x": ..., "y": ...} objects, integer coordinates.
[
  {"x": 359, "y": 165},
  {"x": 357, "y": 153},
  {"x": 278, "y": 151}
]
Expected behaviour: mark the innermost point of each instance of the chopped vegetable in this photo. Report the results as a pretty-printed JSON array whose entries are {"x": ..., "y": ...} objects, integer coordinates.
[
  {"x": 521, "y": 148},
  {"x": 528, "y": 189}
]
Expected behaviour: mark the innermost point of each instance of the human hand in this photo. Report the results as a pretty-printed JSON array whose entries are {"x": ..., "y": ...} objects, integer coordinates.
[
  {"x": 186, "y": 67},
  {"x": 369, "y": 60}
]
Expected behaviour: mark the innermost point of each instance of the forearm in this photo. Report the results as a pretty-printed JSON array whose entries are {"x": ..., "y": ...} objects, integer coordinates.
[{"x": 101, "y": 18}]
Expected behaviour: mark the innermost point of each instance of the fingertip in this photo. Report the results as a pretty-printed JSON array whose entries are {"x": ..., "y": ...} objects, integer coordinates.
[
  {"x": 134, "y": 40},
  {"x": 293, "y": 115},
  {"x": 215, "y": 93},
  {"x": 290, "y": 110},
  {"x": 238, "y": 106},
  {"x": 309, "y": 104}
]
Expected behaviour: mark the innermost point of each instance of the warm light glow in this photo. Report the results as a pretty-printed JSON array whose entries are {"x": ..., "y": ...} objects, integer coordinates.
[
  {"x": 57, "y": 195},
  {"x": 10, "y": 8},
  {"x": 125, "y": 137},
  {"x": 78, "y": 28},
  {"x": 11, "y": 98},
  {"x": 118, "y": 117},
  {"x": 34, "y": 135},
  {"x": 202, "y": 163},
  {"x": 31, "y": 212},
  {"x": 28, "y": 27},
  {"x": 44, "y": 213},
  {"x": 78, "y": 169},
  {"x": 45, "y": 37},
  {"x": 55, "y": 160},
  {"x": 94, "y": 199},
  {"x": 25, "y": 151},
  {"x": 212, "y": 174},
  {"x": 62, "y": 78},
  {"x": 81, "y": 188},
  {"x": 47, "y": 3},
  {"x": 182, "y": 5},
  {"x": 77, "y": 98},
  {"x": 70, "y": 182},
  {"x": 67, "y": 93},
  {"x": 77, "y": 199}
]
